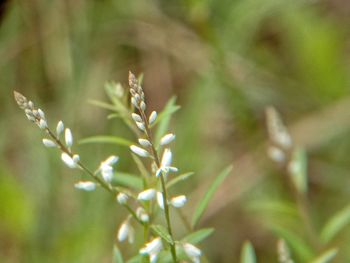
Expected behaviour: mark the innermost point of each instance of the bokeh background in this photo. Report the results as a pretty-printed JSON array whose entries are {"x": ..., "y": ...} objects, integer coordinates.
[{"x": 225, "y": 61}]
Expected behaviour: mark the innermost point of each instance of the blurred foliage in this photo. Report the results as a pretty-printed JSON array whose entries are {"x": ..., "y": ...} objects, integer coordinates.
[{"x": 226, "y": 61}]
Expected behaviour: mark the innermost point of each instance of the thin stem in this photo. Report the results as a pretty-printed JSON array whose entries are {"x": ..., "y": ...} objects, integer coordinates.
[{"x": 162, "y": 180}]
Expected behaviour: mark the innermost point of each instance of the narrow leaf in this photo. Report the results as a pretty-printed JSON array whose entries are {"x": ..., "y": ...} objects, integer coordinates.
[
  {"x": 248, "y": 253},
  {"x": 198, "y": 236},
  {"x": 127, "y": 180},
  {"x": 326, "y": 256},
  {"x": 178, "y": 179},
  {"x": 103, "y": 105},
  {"x": 209, "y": 194},
  {"x": 106, "y": 139},
  {"x": 117, "y": 255},
  {"x": 163, "y": 233},
  {"x": 335, "y": 224}
]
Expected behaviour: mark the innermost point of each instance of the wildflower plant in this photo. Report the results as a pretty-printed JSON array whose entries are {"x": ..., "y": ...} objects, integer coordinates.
[{"x": 154, "y": 158}]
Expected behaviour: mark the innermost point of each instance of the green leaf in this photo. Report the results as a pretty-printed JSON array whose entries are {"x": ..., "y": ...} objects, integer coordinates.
[
  {"x": 326, "y": 256},
  {"x": 106, "y": 139},
  {"x": 135, "y": 259},
  {"x": 248, "y": 253},
  {"x": 127, "y": 180},
  {"x": 102, "y": 104},
  {"x": 164, "y": 119},
  {"x": 163, "y": 233},
  {"x": 298, "y": 245},
  {"x": 178, "y": 179},
  {"x": 198, "y": 236},
  {"x": 298, "y": 171},
  {"x": 209, "y": 194},
  {"x": 274, "y": 207},
  {"x": 117, "y": 255},
  {"x": 335, "y": 224}
]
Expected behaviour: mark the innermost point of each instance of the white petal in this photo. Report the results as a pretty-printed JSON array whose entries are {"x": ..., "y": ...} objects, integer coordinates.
[
  {"x": 49, "y": 143},
  {"x": 147, "y": 195},
  {"x": 178, "y": 201},
  {"x": 166, "y": 139},
  {"x": 139, "y": 151},
  {"x": 160, "y": 200},
  {"x": 68, "y": 160},
  {"x": 153, "y": 247},
  {"x": 167, "y": 158},
  {"x": 68, "y": 137},
  {"x": 85, "y": 186},
  {"x": 59, "y": 128},
  {"x": 122, "y": 198},
  {"x": 145, "y": 143},
  {"x": 152, "y": 117},
  {"x": 111, "y": 160},
  {"x": 191, "y": 250}
]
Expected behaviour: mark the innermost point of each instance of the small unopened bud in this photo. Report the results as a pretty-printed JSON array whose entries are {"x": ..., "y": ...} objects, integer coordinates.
[
  {"x": 152, "y": 117},
  {"x": 167, "y": 158},
  {"x": 143, "y": 105},
  {"x": 122, "y": 198},
  {"x": 145, "y": 142},
  {"x": 59, "y": 128},
  {"x": 139, "y": 151},
  {"x": 85, "y": 186},
  {"x": 42, "y": 124},
  {"x": 192, "y": 251},
  {"x": 142, "y": 215},
  {"x": 160, "y": 200},
  {"x": 68, "y": 137},
  {"x": 178, "y": 201},
  {"x": 136, "y": 117},
  {"x": 140, "y": 125},
  {"x": 49, "y": 143},
  {"x": 68, "y": 160},
  {"x": 167, "y": 139},
  {"x": 147, "y": 195}
]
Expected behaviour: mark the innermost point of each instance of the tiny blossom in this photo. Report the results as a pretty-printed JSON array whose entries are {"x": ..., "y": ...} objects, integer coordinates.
[
  {"x": 147, "y": 195},
  {"x": 42, "y": 124},
  {"x": 192, "y": 252},
  {"x": 122, "y": 198},
  {"x": 126, "y": 231},
  {"x": 140, "y": 125},
  {"x": 142, "y": 215},
  {"x": 136, "y": 117},
  {"x": 59, "y": 128},
  {"x": 49, "y": 143},
  {"x": 85, "y": 186},
  {"x": 166, "y": 139},
  {"x": 178, "y": 201},
  {"x": 152, "y": 248},
  {"x": 152, "y": 117},
  {"x": 139, "y": 151},
  {"x": 160, "y": 200},
  {"x": 145, "y": 142},
  {"x": 68, "y": 137},
  {"x": 68, "y": 160}
]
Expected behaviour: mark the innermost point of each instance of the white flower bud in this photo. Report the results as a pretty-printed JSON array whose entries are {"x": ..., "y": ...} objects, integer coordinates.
[
  {"x": 192, "y": 251},
  {"x": 145, "y": 143},
  {"x": 59, "y": 128},
  {"x": 147, "y": 195},
  {"x": 173, "y": 169},
  {"x": 143, "y": 105},
  {"x": 178, "y": 201},
  {"x": 76, "y": 158},
  {"x": 42, "y": 124},
  {"x": 68, "y": 160},
  {"x": 139, "y": 151},
  {"x": 152, "y": 117},
  {"x": 140, "y": 125},
  {"x": 166, "y": 139},
  {"x": 167, "y": 158},
  {"x": 160, "y": 200},
  {"x": 41, "y": 114},
  {"x": 142, "y": 215},
  {"x": 133, "y": 102},
  {"x": 49, "y": 143},
  {"x": 153, "y": 247},
  {"x": 68, "y": 137},
  {"x": 107, "y": 173},
  {"x": 122, "y": 198},
  {"x": 85, "y": 186},
  {"x": 126, "y": 231},
  {"x": 111, "y": 160},
  {"x": 276, "y": 154},
  {"x": 136, "y": 117}
]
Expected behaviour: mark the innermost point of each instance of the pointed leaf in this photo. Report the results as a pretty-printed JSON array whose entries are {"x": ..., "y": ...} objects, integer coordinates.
[
  {"x": 335, "y": 224},
  {"x": 248, "y": 253},
  {"x": 102, "y": 104},
  {"x": 127, "y": 180},
  {"x": 117, "y": 255},
  {"x": 163, "y": 233},
  {"x": 198, "y": 236},
  {"x": 209, "y": 194},
  {"x": 326, "y": 256},
  {"x": 178, "y": 179},
  {"x": 106, "y": 139}
]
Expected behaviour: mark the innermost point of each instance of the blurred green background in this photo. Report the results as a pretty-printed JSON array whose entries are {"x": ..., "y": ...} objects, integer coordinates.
[{"x": 225, "y": 61}]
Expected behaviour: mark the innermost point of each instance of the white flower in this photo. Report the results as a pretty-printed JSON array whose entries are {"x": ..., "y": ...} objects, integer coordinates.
[
  {"x": 111, "y": 160},
  {"x": 192, "y": 252},
  {"x": 107, "y": 173},
  {"x": 68, "y": 160},
  {"x": 85, "y": 186},
  {"x": 166, "y": 139},
  {"x": 140, "y": 125},
  {"x": 152, "y": 117},
  {"x": 178, "y": 201},
  {"x": 59, "y": 128},
  {"x": 152, "y": 248},
  {"x": 142, "y": 215},
  {"x": 139, "y": 151},
  {"x": 136, "y": 117},
  {"x": 126, "y": 231},
  {"x": 122, "y": 198},
  {"x": 147, "y": 195},
  {"x": 42, "y": 124},
  {"x": 145, "y": 142},
  {"x": 160, "y": 200},
  {"x": 49, "y": 143},
  {"x": 68, "y": 137},
  {"x": 167, "y": 158},
  {"x": 41, "y": 114}
]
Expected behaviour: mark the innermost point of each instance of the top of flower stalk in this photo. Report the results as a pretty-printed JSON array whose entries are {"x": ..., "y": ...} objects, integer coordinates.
[
  {"x": 21, "y": 100},
  {"x": 122, "y": 198}
]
